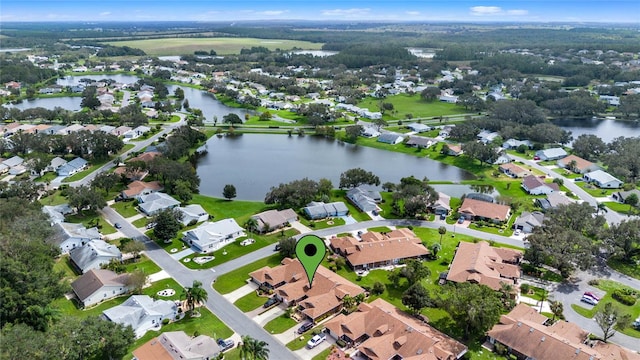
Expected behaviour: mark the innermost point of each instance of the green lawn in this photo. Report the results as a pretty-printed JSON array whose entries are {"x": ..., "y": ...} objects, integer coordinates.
[
  {"x": 140, "y": 222},
  {"x": 595, "y": 191},
  {"x": 300, "y": 341},
  {"x": 63, "y": 264},
  {"x": 280, "y": 324},
  {"x": 235, "y": 250},
  {"x": 46, "y": 178},
  {"x": 239, "y": 210},
  {"x": 236, "y": 279},
  {"x": 322, "y": 355},
  {"x": 55, "y": 198},
  {"x": 90, "y": 219},
  {"x": 125, "y": 208},
  {"x": 411, "y": 104},
  {"x": 632, "y": 269},
  {"x": 609, "y": 286},
  {"x": 145, "y": 264},
  {"x": 80, "y": 175},
  {"x": 622, "y": 208},
  {"x": 323, "y": 224},
  {"x": 541, "y": 273},
  {"x": 250, "y": 302}
]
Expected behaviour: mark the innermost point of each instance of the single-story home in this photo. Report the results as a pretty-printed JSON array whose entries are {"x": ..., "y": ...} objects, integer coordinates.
[
  {"x": 513, "y": 144},
  {"x": 482, "y": 210},
  {"x": 13, "y": 161},
  {"x": 577, "y": 164},
  {"x": 193, "y": 213},
  {"x": 211, "y": 236},
  {"x": 98, "y": 285},
  {"x": 537, "y": 186},
  {"x": 370, "y": 132},
  {"x": 481, "y": 263},
  {"x": 417, "y": 127},
  {"x": 177, "y": 345},
  {"x": 68, "y": 236},
  {"x": 55, "y": 163},
  {"x": 138, "y": 188},
  {"x": 620, "y": 196},
  {"x": 390, "y": 138},
  {"x": 319, "y": 210},
  {"x": 93, "y": 255},
  {"x": 76, "y": 165},
  {"x": 363, "y": 199},
  {"x": 142, "y": 313},
  {"x": 57, "y": 213},
  {"x": 274, "y": 219},
  {"x": 603, "y": 179},
  {"x": 528, "y": 220},
  {"x": 454, "y": 149},
  {"x": 441, "y": 206},
  {"x": 420, "y": 142},
  {"x": 156, "y": 202},
  {"x": 486, "y": 136},
  {"x": 551, "y": 154},
  {"x": 513, "y": 170},
  {"x": 553, "y": 200}
]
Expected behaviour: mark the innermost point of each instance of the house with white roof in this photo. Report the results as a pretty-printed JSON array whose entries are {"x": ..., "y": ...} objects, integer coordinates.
[
  {"x": 211, "y": 236},
  {"x": 528, "y": 220},
  {"x": 13, "y": 162},
  {"x": 156, "y": 202},
  {"x": 98, "y": 285},
  {"x": 142, "y": 313},
  {"x": 363, "y": 199},
  {"x": 57, "y": 213},
  {"x": 193, "y": 213},
  {"x": 603, "y": 179},
  {"x": 68, "y": 236},
  {"x": 93, "y": 255},
  {"x": 417, "y": 127},
  {"x": 55, "y": 163},
  {"x": 76, "y": 165},
  {"x": 513, "y": 144},
  {"x": 390, "y": 138},
  {"x": 177, "y": 345},
  {"x": 319, "y": 210},
  {"x": 551, "y": 154}
]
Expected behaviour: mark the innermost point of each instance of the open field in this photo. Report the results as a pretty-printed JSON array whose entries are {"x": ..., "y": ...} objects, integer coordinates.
[
  {"x": 411, "y": 104},
  {"x": 222, "y": 46}
]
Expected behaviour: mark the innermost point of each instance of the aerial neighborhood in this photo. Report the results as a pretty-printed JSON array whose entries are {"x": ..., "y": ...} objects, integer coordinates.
[{"x": 152, "y": 203}]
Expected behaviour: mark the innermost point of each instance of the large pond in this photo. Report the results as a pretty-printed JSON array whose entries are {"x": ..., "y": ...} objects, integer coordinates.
[
  {"x": 606, "y": 129},
  {"x": 253, "y": 163},
  {"x": 457, "y": 190}
]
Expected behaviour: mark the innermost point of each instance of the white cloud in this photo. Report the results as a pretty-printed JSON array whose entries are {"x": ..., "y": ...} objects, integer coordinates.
[
  {"x": 105, "y": 13},
  {"x": 354, "y": 12},
  {"x": 274, "y": 12},
  {"x": 496, "y": 11},
  {"x": 413, "y": 13}
]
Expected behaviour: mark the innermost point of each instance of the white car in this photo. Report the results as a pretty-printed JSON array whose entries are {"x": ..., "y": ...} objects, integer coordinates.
[
  {"x": 517, "y": 232},
  {"x": 246, "y": 242},
  {"x": 316, "y": 340},
  {"x": 589, "y": 300}
]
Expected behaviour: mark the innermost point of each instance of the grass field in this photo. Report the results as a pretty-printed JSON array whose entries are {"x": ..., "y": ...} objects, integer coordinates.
[
  {"x": 237, "y": 278},
  {"x": 404, "y": 104},
  {"x": 222, "y": 46}
]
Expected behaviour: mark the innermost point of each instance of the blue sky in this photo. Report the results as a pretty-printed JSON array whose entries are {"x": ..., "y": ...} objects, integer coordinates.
[{"x": 350, "y": 10}]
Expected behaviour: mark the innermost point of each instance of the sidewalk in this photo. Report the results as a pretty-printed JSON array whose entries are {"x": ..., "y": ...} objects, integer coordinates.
[
  {"x": 237, "y": 294},
  {"x": 535, "y": 303},
  {"x": 298, "y": 226}
]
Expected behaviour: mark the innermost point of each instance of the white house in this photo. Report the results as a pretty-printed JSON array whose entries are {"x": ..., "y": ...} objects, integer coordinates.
[
  {"x": 68, "y": 236},
  {"x": 211, "y": 236},
  {"x": 57, "y": 213},
  {"x": 156, "y": 202},
  {"x": 55, "y": 163},
  {"x": 99, "y": 285},
  {"x": 602, "y": 179},
  {"x": 528, "y": 220},
  {"x": 72, "y": 167},
  {"x": 513, "y": 144},
  {"x": 142, "y": 313},
  {"x": 193, "y": 213},
  {"x": 536, "y": 186},
  {"x": 551, "y": 154},
  {"x": 93, "y": 255}
]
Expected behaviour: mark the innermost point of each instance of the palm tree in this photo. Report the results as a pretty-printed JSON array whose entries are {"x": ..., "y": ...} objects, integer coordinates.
[
  {"x": 506, "y": 292},
  {"x": 253, "y": 349},
  {"x": 246, "y": 347},
  {"x": 195, "y": 295},
  {"x": 251, "y": 225},
  {"x": 601, "y": 207},
  {"x": 556, "y": 308},
  {"x": 348, "y": 302},
  {"x": 442, "y": 230},
  {"x": 543, "y": 297},
  {"x": 260, "y": 350},
  {"x": 435, "y": 249}
]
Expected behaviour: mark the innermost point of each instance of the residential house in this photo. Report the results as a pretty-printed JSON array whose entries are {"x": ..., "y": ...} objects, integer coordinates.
[
  {"x": 420, "y": 142},
  {"x": 291, "y": 286},
  {"x": 120, "y": 130},
  {"x": 139, "y": 188},
  {"x": 55, "y": 163},
  {"x": 70, "y": 129},
  {"x": 211, "y": 236},
  {"x": 526, "y": 334},
  {"x": 486, "y": 136},
  {"x": 419, "y": 127},
  {"x": 551, "y": 154},
  {"x": 107, "y": 129},
  {"x": 363, "y": 199},
  {"x": 610, "y": 100},
  {"x": 514, "y": 170},
  {"x": 577, "y": 164},
  {"x": 553, "y": 200},
  {"x": 76, "y": 165},
  {"x": 319, "y": 210},
  {"x": 156, "y": 202},
  {"x": 390, "y": 138},
  {"x": 376, "y": 250},
  {"x": 621, "y": 196},
  {"x": 93, "y": 255},
  {"x": 142, "y": 313},
  {"x": 445, "y": 130},
  {"x": 98, "y": 285},
  {"x": 193, "y": 213},
  {"x": 452, "y": 99},
  {"x": 536, "y": 186},
  {"x": 146, "y": 157},
  {"x": 441, "y": 206},
  {"x": 481, "y": 210},
  {"x": 57, "y": 213},
  {"x": 528, "y": 220},
  {"x": 602, "y": 179},
  {"x": 379, "y": 331},
  {"x": 68, "y": 236},
  {"x": 274, "y": 219},
  {"x": 177, "y": 345},
  {"x": 370, "y": 132},
  {"x": 13, "y": 162},
  {"x": 503, "y": 159},
  {"x": 483, "y": 264},
  {"x": 454, "y": 149}
]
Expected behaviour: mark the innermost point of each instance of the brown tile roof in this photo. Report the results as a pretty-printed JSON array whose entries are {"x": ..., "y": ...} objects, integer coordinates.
[
  {"x": 513, "y": 169},
  {"x": 531, "y": 182},
  {"x": 483, "y": 264},
  {"x": 377, "y": 247},
  {"x": 146, "y": 156},
  {"x": 392, "y": 332},
  {"x": 122, "y": 170},
  {"x": 484, "y": 209},
  {"x": 137, "y": 187},
  {"x": 581, "y": 164},
  {"x": 152, "y": 350},
  {"x": 457, "y": 149},
  {"x": 94, "y": 279},
  {"x": 524, "y": 332}
]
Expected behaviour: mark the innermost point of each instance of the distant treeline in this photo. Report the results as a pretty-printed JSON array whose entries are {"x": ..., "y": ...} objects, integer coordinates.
[{"x": 23, "y": 71}]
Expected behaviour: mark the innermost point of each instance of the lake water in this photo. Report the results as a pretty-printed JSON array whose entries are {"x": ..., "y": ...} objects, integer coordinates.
[
  {"x": 607, "y": 130},
  {"x": 254, "y": 163},
  {"x": 457, "y": 190},
  {"x": 69, "y": 103}
]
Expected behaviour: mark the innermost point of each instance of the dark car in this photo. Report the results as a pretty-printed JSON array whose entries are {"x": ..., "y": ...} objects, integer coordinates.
[
  {"x": 305, "y": 327},
  {"x": 117, "y": 225},
  {"x": 461, "y": 220},
  {"x": 272, "y": 301},
  {"x": 277, "y": 247},
  {"x": 443, "y": 216},
  {"x": 225, "y": 344}
]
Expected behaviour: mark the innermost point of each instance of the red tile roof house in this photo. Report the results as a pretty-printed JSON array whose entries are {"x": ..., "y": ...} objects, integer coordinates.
[
  {"x": 137, "y": 188},
  {"x": 514, "y": 170},
  {"x": 454, "y": 150},
  {"x": 529, "y": 335},
  {"x": 482, "y": 264},
  {"x": 379, "y": 250},
  {"x": 482, "y": 210},
  {"x": 291, "y": 286},
  {"x": 580, "y": 165},
  {"x": 536, "y": 186},
  {"x": 380, "y": 331}
]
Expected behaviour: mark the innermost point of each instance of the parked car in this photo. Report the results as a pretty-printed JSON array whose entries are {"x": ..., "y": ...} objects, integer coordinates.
[
  {"x": 277, "y": 247},
  {"x": 117, "y": 226},
  {"x": 316, "y": 340},
  {"x": 636, "y": 324},
  {"x": 271, "y": 301},
  {"x": 589, "y": 300},
  {"x": 517, "y": 232},
  {"x": 225, "y": 344},
  {"x": 151, "y": 225},
  {"x": 461, "y": 220},
  {"x": 246, "y": 242},
  {"x": 443, "y": 216},
  {"x": 305, "y": 327},
  {"x": 536, "y": 158},
  {"x": 591, "y": 295},
  {"x": 578, "y": 179}
]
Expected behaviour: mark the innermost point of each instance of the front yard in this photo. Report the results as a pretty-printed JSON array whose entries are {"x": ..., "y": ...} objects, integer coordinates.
[
  {"x": 125, "y": 208},
  {"x": 237, "y": 278}
]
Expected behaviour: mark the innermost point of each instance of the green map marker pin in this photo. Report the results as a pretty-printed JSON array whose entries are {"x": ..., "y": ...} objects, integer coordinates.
[{"x": 310, "y": 250}]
